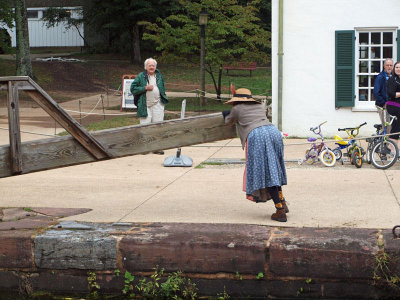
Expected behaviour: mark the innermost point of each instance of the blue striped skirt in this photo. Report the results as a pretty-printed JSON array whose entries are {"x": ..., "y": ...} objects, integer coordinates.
[{"x": 265, "y": 166}]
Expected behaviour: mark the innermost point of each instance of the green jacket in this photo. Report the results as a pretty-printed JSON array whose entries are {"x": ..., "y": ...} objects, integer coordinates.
[{"x": 138, "y": 87}]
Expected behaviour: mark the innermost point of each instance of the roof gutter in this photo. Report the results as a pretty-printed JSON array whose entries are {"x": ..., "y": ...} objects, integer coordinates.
[{"x": 280, "y": 64}]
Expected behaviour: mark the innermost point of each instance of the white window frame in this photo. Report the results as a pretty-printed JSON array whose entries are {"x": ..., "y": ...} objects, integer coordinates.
[{"x": 370, "y": 105}]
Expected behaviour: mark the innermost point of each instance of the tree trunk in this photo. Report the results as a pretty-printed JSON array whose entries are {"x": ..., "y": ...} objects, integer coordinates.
[
  {"x": 210, "y": 71},
  {"x": 135, "y": 49},
  {"x": 219, "y": 83},
  {"x": 23, "y": 54}
]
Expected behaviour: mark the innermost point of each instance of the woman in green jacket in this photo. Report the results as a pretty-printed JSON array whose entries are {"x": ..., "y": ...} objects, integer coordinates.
[{"x": 150, "y": 86}]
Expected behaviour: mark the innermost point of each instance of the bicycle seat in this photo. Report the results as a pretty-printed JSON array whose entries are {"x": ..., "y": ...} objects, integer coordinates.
[
  {"x": 340, "y": 141},
  {"x": 378, "y": 126},
  {"x": 311, "y": 139}
]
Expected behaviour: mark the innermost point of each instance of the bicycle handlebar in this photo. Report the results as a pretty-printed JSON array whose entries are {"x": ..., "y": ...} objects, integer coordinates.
[
  {"x": 352, "y": 128},
  {"x": 316, "y": 127}
]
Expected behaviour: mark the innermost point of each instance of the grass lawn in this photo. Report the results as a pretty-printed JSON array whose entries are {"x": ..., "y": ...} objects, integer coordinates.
[{"x": 259, "y": 83}]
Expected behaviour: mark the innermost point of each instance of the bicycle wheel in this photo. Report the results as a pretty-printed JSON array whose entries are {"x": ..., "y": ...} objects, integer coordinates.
[
  {"x": 356, "y": 158},
  {"x": 384, "y": 154},
  {"x": 311, "y": 156},
  {"x": 338, "y": 153},
  {"x": 369, "y": 151},
  {"x": 328, "y": 158}
]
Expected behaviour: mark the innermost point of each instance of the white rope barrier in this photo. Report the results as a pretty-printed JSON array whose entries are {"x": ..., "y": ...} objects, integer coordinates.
[
  {"x": 30, "y": 132},
  {"x": 123, "y": 114},
  {"x": 98, "y": 114}
]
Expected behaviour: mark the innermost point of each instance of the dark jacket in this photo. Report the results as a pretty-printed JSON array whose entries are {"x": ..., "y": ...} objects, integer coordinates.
[
  {"x": 380, "y": 92},
  {"x": 138, "y": 87},
  {"x": 393, "y": 87}
]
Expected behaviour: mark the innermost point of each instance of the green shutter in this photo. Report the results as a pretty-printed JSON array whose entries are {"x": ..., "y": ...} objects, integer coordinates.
[
  {"x": 344, "y": 68},
  {"x": 398, "y": 45}
]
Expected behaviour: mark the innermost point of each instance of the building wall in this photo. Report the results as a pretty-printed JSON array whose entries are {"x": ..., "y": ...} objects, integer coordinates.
[
  {"x": 57, "y": 36},
  {"x": 309, "y": 60}
]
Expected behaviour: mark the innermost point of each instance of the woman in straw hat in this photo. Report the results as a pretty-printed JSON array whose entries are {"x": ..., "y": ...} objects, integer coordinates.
[{"x": 265, "y": 171}]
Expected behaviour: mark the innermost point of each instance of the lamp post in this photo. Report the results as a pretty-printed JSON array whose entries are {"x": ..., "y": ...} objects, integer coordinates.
[{"x": 203, "y": 19}]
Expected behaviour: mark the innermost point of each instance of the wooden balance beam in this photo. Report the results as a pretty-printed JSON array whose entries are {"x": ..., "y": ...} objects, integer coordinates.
[{"x": 83, "y": 147}]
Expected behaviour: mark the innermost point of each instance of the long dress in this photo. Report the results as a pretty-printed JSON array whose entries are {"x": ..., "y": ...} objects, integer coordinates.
[{"x": 265, "y": 166}]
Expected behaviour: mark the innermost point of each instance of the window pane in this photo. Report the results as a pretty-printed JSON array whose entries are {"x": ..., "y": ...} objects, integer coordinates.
[
  {"x": 363, "y": 52},
  {"x": 363, "y": 95},
  {"x": 364, "y": 38},
  {"x": 363, "y": 81},
  {"x": 388, "y": 52},
  {"x": 375, "y": 66},
  {"x": 387, "y": 38},
  {"x": 375, "y": 38},
  {"x": 373, "y": 80},
  {"x": 363, "y": 67},
  {"x": 372, "y": 95},
  {"x": 376, "y": 52},
  {"x": 32, "y": 14}
]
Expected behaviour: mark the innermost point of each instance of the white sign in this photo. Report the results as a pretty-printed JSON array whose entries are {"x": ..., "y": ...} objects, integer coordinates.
[{"x": 127, "y": 96}]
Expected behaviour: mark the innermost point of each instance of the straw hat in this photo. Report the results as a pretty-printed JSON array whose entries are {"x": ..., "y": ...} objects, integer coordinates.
[{"x": 242, "y": 95}]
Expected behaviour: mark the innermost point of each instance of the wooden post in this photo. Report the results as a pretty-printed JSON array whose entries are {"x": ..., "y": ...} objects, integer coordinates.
[{"x": 14, "y": 129}]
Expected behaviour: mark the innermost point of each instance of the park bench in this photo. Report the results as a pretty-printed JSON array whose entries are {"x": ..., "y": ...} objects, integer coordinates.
[{"x": 241, "y": 66}]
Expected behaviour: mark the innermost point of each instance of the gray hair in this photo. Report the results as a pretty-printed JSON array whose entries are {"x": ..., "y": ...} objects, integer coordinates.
[
  {"x": 384, "y": 62},
  {"x": 147, "y": 61}
]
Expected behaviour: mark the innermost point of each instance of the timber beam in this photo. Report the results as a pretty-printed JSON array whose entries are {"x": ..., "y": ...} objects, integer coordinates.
[
  {"x": 64, "y": 151},
  {"x": 15, "y": 83}
]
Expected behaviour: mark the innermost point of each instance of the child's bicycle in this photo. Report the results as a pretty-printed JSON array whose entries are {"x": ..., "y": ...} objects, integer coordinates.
[
  {"x": 382, "y": 152},
  {"x": 353, "y": 150},
  {"x": 321, "y": 150}
]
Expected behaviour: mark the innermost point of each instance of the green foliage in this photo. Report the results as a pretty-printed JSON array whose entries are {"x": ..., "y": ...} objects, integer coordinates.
[
  {"x": 93, "y": 286},
  {"x": 128, "y": 286},
  {"x": 383, "y": 271},
  {"x": 238, "y": 276},
  {"x": 260, "y": 275},
  {"x": 233, "y": 34},
  {"x": 54, "y": 16},
  {"x": 6, "y": 13},
  {"x": 174, "y": 287},
  {"x": 120, "y": 20},
  {"x": 224, "y": 295}
]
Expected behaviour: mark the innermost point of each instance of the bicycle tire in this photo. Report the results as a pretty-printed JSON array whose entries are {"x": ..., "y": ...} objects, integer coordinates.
[
  {"x": 350, "y": 153},
  {"x": 357, "y": 158},
  {"x": 384, "y": 154},
  {"x": 371, "y": 144},
  {"x": 338, "y": 153},
  {"x": 328, "y": 158},
  {"x": 311, "y": 156}
]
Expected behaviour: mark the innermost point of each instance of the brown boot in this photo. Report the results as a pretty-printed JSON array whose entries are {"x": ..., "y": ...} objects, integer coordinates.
[
  {"x": 279, "y": 215},
  {"x": 284, "y": 205},
  {"x": 283, "y": 201}
]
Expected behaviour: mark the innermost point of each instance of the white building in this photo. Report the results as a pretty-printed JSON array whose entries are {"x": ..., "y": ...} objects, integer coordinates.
[
  {"x": 57, "y": 36},
  {"x": 331, "y": 52}
]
